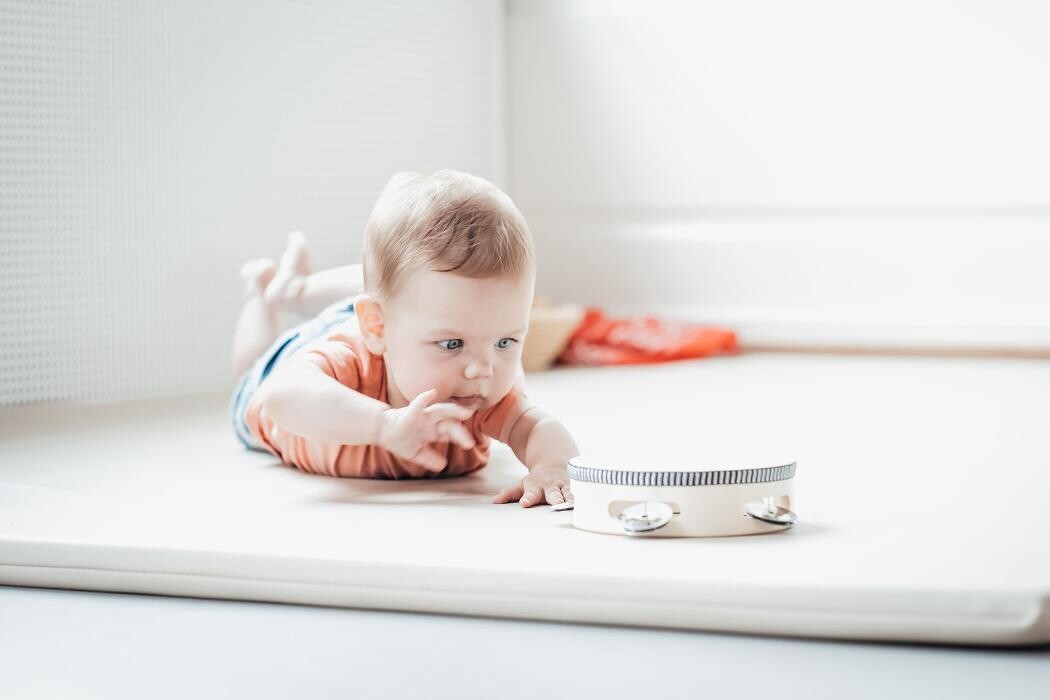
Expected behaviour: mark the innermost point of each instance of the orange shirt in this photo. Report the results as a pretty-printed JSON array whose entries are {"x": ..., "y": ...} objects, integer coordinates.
[{"x": 342, "y": 354}]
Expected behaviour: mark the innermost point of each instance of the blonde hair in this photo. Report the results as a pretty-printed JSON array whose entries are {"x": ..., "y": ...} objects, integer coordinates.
[{"x": 447, "y": 222}]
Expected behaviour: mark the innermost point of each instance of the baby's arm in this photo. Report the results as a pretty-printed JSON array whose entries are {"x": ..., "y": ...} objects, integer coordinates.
[
  {"x": 545, "y": 447},
  {"x": 303, "y": 399},
  {"x": 538, "y": 439}
]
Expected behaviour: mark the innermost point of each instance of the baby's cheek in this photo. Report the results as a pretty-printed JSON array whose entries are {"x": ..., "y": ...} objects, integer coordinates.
[{"x": 413, "y": 378}]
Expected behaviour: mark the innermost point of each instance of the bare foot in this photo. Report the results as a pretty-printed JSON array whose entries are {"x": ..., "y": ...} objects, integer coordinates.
[
  {"x": 257, "y": 274},
  {"x": 293, "y": 269}
]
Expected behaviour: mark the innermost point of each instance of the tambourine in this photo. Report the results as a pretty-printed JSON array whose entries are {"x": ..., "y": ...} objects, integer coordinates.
[{"x": 660, "y": 500}]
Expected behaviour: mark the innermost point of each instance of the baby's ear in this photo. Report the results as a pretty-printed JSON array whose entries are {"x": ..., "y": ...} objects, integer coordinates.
[{"x": 370, "y": 321}]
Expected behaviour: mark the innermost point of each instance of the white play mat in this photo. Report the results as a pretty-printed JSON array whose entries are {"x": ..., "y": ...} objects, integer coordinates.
[{"x": 921, "y": 494}]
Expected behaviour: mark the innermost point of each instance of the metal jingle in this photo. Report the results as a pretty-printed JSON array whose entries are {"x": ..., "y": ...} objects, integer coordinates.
[
  {"x": 772, "y": 514},
  {"x": 646, "y": 516}
]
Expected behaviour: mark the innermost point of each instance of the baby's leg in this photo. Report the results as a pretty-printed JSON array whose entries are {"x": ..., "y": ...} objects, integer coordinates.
[
  {"x": 257, "y": 325},
  {"x": 300, "y": 290},
  {"x": 322, "y": 289}
]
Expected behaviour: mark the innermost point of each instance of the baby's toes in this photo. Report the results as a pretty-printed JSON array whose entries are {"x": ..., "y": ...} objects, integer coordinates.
[{"x": 257, "y": 273}]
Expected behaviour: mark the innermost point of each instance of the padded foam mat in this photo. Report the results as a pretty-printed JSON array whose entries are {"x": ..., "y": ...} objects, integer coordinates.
[{"x": 921, "y": 492}]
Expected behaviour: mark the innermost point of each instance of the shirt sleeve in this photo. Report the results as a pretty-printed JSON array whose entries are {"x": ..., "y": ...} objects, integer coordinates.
[{"x": 334, "y": 356}]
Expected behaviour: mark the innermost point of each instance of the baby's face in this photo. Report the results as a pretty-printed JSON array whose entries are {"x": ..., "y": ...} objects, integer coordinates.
[{"x": 460, "y": 336}]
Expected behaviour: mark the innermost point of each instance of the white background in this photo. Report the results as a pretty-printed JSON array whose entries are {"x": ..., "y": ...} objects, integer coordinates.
[
  {"x": 872, "y": 173},
  {"x": 807, "y": 173}
]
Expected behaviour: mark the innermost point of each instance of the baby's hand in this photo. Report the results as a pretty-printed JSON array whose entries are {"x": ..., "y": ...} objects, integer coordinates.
[
  {"x": 407, "y": 432},
  {"x": 541, "y": 485}
]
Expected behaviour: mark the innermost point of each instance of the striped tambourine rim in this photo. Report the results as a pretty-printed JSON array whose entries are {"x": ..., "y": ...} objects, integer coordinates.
[{"x": 706, "y": 478}]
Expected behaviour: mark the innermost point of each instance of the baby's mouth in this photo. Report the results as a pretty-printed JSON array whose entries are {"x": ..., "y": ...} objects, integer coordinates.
[{"x": 468, "y": 401}]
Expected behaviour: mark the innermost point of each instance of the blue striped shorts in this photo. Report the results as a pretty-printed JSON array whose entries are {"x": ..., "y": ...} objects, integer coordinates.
[{"x": 282, "y": 349}]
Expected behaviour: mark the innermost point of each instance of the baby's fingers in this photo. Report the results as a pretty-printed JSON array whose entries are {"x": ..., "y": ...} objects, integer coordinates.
[
  {"x": 509, "y": 494},
  {"x": 532, "y": 496},
  {"x": 456, "y": 431},
  {"x": 446, "y": 411},
  {"x": 430, "y": 459},
  {"x": 421, "y": 402}
]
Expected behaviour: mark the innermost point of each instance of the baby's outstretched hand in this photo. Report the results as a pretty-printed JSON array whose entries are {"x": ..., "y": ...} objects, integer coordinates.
[
  {"x": 541, "y": 485},
  {"x": 407, "y": 432}
]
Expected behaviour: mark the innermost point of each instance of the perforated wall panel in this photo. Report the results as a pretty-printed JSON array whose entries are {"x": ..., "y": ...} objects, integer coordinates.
[{"x": 148, "y": 148}]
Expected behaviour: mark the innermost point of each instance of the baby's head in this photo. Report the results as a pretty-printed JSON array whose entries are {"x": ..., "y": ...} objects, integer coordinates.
[{"x": 449, "y": 274}]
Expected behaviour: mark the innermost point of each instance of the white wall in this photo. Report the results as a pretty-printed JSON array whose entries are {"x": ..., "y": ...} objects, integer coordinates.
[
  {"x": 873, "y": 173},
  {"x": 805, "y": 172},
  {"x": 148, "y": 147}
]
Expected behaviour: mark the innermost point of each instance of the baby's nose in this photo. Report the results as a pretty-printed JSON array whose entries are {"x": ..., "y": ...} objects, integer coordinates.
[{"x": 476, "y": 370}]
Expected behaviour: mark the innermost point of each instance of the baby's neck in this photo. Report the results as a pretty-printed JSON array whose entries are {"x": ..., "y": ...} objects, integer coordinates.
[{"x": 393, "y": 396}]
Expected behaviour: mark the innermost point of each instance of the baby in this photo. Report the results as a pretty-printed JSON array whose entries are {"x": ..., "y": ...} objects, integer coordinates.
[{"x": 412, "y": 360}]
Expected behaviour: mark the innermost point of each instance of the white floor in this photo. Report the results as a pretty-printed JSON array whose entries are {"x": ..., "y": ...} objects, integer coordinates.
[
  {"x": 921, "y": 482},
  {"x": 109, "y": 645}
]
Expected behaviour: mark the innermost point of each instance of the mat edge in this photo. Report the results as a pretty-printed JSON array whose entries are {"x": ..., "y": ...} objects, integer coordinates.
[{"x": 718, "y": 616}]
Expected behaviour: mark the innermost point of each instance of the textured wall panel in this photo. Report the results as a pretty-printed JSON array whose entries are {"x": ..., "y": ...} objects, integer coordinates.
[{"x": 148, "y": 148}]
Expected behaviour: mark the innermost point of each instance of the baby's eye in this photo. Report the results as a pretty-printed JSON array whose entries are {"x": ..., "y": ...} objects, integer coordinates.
[{"x": 456, "y": 344}]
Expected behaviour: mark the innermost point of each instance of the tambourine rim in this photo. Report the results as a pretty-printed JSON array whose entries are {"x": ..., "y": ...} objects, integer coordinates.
[{"x": 619, "y": 476}]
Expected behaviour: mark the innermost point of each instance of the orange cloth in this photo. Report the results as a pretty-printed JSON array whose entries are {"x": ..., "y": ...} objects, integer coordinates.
[
  {"x": 342, "y": 354},
  {"x": 600, "y": 340}
]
